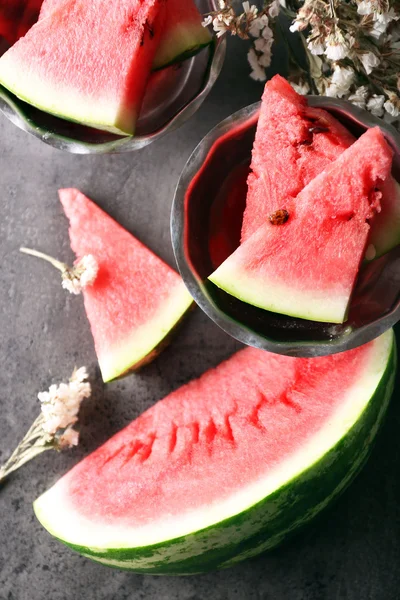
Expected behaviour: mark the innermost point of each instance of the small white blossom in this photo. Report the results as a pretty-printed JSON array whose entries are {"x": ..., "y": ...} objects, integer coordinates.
[
  {"x": 258, "y": 25},
  {"x": 207, "y": 21},
  {"x": 375, "y": 105},
  {"x": 61, "y": 404},
  {"x": 391, "y": 108},
  {"x": 83, "y": 274},
  {"x": 301, "y": 87},
  {"x": 369, "y": 61},
  {"x": 338, "y": 46},
  {"x": 257, "y": 73},
  {"x": 341, "y": 82},
  {"x": 68, "y": 439},
  {"x": 221, "y": 25},
  {"x": 299, "y": 24},
  {"x": 366, "y": 7},
  {"x": 359, "y": 97},
  {"x": 274, "y": 9},
  {"x": 316, "y": 47},
  {"x": 53, "y": 428},
  {"x": 249, "y": 11}
]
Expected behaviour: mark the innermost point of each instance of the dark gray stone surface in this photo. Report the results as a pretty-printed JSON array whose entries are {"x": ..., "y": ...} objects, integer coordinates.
[{"x": 352, "y": 553}]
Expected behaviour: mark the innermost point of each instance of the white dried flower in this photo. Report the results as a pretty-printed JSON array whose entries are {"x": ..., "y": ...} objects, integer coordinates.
[
  {"x": 74, "y": 279},
  {"x": 258, "y": 72},
  {"x": 250, "y": 11},
  {"x": 359, "y": 97},
  {"x": 68, "y": 439},
  {"x": 366, "y": 7},
  {"x": 341, "y": 81},
  {"x": 60, "y": 405},
  {"x": 54, "y": 427},
  {"x": 338, "y": 46},
  {"x": 316, "y": 47},
  {"x": 207, "y": 21},
  {"x": 301, "y": 87},
  {"x": 83, "y": 274},
  {"x": 391, "y": 108},
  {"x": 274, "y": 9},
  {"x": 258, "y": 25},
  {"x": 369, "y": 61},
  {"x": 375, "y": 105}
]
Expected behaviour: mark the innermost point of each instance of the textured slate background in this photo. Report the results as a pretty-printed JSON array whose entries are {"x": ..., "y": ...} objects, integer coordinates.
[{"x": 352, "y": 553}]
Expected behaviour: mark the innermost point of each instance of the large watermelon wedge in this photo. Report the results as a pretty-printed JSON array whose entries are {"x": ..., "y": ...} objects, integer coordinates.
[
  {"x": 88, "y": 61},
  {"x": 304, "y": 260},
  {"x": 182, "y": 36},
  {"x": 136, "y": 299},
  {"x": 228, "y": 465},
  {"x": 294, "y": 143}
]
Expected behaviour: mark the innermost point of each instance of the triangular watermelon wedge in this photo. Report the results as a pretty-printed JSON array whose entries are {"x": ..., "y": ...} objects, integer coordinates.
[
  {"x": 304, "y": 260},
  {"x": 88, "y": 62},
  {"x": 136, "y": 299},
  {"x": 182, "y": 35},
  {"x": 287, "y": 155},
  {"x": 294, "y": 143},
  {"x": 228, "y": 465}
]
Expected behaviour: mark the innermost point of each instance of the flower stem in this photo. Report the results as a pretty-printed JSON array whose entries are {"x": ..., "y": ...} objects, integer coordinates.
[
  {"x": 34, "y": 443},
  {"x": 56, "y": 263}
]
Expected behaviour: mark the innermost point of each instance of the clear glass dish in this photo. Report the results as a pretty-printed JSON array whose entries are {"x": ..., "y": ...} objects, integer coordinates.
[
  {"x": 226, "y": 150},
  {"x": 173, "y": 95}
]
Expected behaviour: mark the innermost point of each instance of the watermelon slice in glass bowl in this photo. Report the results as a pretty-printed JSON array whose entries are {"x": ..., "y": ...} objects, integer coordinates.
[
  {"x": 173, "y": 95},
  {"x": 206, "y": 227}
]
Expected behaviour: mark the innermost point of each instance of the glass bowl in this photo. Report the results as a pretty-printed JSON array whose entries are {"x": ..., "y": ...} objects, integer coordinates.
[
  {"x": 173, "y": 95},
  {"x": 205, "y": 228}
]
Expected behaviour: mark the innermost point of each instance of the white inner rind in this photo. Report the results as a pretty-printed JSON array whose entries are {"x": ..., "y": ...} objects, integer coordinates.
[
  {"x": 65, "y": 101},
  {"x": 325, "y": 306},
  {"x": 61, "y": 519},
  {"x": 130, "y": 351}
]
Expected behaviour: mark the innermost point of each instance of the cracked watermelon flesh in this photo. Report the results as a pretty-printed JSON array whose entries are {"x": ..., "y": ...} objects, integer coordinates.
[
  {"x": 287, "y": 156},
  {"x": 307, "y": 267},
  {"x": 136, "y": 299},
  {"x": 228, "y": 465},
  {"x": 17, "y": 17},
  {"x": 88, "y": 62},
  {"x": 182, "y": 36}
]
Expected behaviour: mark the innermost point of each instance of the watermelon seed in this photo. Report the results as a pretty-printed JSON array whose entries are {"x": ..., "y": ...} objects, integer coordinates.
[{"x": 279, "y": 217}]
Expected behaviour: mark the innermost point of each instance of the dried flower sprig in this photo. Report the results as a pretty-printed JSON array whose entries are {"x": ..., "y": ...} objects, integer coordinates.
[
  {"x": 75, "y": 278},
  {"x": 251, "y": 24},
  {"x": 54, "y": 427},
  {"x": 352, "y": 47}
]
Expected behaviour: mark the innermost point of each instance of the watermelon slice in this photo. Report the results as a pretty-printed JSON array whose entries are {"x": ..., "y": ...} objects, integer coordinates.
[
  {"x": 304, "y": 260},
  {"x": 294, "y": 143},
  {"x": 228, "y": 465},
  {"x": 97, "y": 76},
  {"x": 136, "y": 299},
  {"x": 182, "y": 36}
]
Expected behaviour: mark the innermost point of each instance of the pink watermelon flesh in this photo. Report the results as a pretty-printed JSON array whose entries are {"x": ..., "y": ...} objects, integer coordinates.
[
  {"x": 88, "y": 61},
  {"x": 307, "y": 267},
  {"x": 136, "y": 299},
  {"x": 210, "y": 439},
  {"x": 287, "y": 156},
  {"x": 182, "y": 33}
]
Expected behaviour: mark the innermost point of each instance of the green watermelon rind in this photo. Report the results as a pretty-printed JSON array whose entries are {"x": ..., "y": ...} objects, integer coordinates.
[
  {"x": 187, "y": 43},
  {"x": 147, "y": 340},
  {"x": 270, "y": 521}
]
